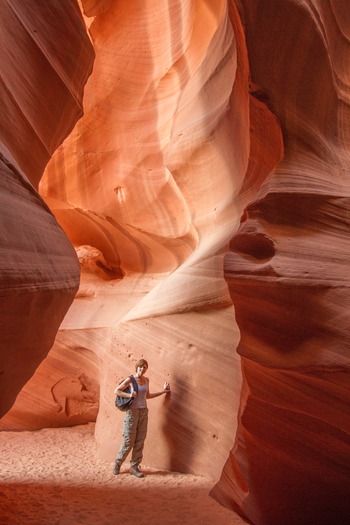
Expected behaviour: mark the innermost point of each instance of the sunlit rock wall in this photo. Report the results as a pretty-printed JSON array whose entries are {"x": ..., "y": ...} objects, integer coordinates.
[
  {"x": 150, "y": 203},
  {"x": 40, "y": 90},
  {"x": 173, "y": 164},
  {"x": 150, "y": 187},
  {"x": 288, "y": 277}
]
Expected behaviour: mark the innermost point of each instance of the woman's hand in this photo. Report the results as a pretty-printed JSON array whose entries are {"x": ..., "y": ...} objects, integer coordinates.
[{"x": 166, "y": 390}]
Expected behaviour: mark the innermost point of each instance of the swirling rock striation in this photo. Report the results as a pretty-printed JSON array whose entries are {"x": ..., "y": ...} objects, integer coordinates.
[
  {"x": 147, "y": 189},
  {"x": 175, "y": 162},
  {"x": 41, "y": 90},
  {"x": 286, "y": 270},
  {"x": 150, "y": 203}
]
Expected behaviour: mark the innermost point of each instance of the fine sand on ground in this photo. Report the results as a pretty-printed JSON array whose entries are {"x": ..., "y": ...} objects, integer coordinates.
[{"x": 54, "y": 477}]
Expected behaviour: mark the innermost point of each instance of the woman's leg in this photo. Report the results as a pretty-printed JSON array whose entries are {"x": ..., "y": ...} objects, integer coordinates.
[
  {"x": 129, "y": 435},
  {"x": 140, "y": 437}
]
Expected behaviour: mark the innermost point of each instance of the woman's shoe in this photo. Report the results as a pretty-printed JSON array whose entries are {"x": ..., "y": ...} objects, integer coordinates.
[{"x": 135, "y": 471}]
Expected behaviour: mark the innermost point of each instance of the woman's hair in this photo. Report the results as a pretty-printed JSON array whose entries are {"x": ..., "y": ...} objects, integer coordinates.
[{"x": 141, "y": 362}]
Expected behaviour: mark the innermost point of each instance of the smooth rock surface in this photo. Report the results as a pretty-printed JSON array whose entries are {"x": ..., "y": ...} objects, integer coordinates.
[
  {"x": 288, "y": 279},
  {"x": 41, "y": 89},
  {"x": 205, "y": 191},
  {"x": 150, "y": 204}
]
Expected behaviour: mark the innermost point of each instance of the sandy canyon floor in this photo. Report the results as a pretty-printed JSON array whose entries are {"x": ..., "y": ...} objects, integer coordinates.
[{"x": 54, "y": 477}]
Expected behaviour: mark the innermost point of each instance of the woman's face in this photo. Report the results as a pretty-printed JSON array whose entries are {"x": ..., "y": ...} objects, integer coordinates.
[{"x": 141, "y": 370}]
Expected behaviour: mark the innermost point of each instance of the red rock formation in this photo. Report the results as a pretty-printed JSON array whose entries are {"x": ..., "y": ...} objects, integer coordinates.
[
  {"x": 150, "y": 203},
  {"x": 287, "y": 278},
  {"x": 41, "y": 91},
  {"x": 171, "y": 157}
]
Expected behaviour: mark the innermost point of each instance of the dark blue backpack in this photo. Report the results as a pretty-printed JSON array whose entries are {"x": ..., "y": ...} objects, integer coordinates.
[{"x": 124, "y": 403}]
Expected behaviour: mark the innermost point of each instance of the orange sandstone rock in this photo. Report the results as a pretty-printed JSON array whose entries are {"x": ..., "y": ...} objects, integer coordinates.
[
  {"x": 146, "y": 187},
  {"x": 175, "y": 162},
  {"x": 286, "y": 270},
  {"x": 41, "y": 91}
]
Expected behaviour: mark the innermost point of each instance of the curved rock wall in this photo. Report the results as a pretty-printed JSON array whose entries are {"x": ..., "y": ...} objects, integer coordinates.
[
  {"x": 150, "y": 204},
  {"x": 286, "y": 270},
  {"x": 175, "y": 163},
  {"x": 41, "y": 90}
]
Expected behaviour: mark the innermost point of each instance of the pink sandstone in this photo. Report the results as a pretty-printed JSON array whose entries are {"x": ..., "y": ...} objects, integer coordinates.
[
  {"x": 41, "y": 92},
  {"x": 286, "y": 270},
  {"x": 203, "y": 185}
]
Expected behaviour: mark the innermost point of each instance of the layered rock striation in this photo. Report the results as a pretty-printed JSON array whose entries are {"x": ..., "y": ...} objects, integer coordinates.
[
  {"x": 150, "y": 203},
  {"x": 204, "y": 192},
  {"x": 147, "y": 187},
  {"x": 41, "y": 91},
  {"x": 286, "y": 270}
]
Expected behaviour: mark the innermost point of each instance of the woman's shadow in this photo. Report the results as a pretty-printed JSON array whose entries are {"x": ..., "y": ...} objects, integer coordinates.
[{"x": 179, "y": 427}]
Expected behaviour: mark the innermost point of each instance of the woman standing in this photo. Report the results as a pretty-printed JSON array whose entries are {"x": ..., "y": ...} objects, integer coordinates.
[{"x": 136, "y": 419}]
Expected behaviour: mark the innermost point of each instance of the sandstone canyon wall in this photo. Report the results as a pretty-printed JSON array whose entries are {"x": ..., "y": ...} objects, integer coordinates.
[
  {"x": 147, "y": 188},
  {"x": 288, "y": 278},
  {"x": 194, "y": 239},
  {"x": 41, "y": 92}
]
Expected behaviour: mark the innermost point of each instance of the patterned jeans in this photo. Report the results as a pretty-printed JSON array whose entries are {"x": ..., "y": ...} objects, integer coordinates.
[{"x": 134, "y": 434}]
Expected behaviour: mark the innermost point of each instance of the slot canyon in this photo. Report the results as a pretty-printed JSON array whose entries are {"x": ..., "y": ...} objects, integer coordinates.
[{"x": 175, "y": 179}]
